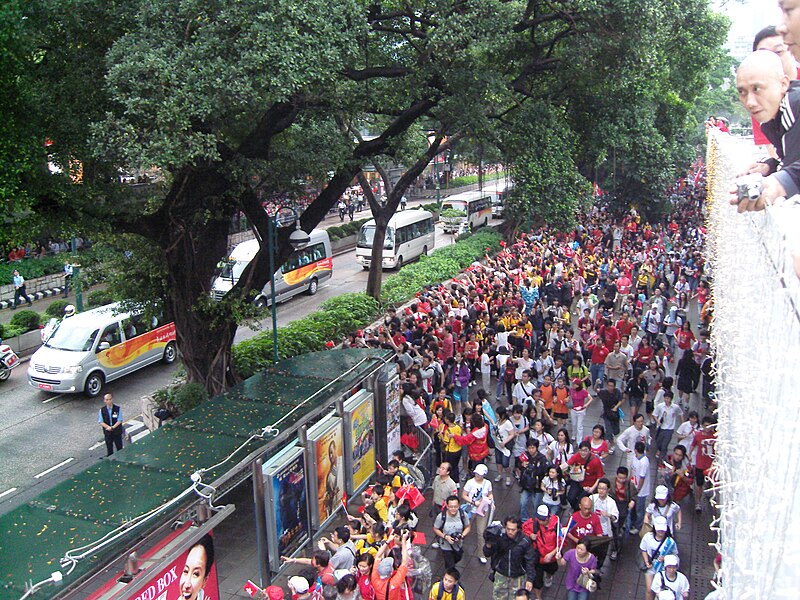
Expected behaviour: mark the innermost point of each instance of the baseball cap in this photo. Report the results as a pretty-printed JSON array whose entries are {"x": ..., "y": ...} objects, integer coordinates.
[
  {"x": 273, "y": 592},
  {"x": 386, "y": 567},
  {"x": 481, "y": 470},
  {"x": 662, "y": 492},
  {"x": 660, "y": 524},
  {"x": 300, "y": 584},
  {"x": 542, "y": 512},
  {"x": 670, "y": 560}
]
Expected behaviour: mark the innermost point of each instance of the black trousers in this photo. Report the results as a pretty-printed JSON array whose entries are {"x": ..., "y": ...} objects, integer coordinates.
[
  {"x": 21, "y": 293},
  {"x": 113, "y": 438}
]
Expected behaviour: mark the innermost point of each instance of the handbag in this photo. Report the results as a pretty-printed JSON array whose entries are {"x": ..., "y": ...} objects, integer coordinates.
[{"x": 585, "y": 581}]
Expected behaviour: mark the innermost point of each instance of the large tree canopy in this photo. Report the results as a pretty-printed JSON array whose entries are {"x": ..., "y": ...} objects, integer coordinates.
[{"x": 232, "y": 101}]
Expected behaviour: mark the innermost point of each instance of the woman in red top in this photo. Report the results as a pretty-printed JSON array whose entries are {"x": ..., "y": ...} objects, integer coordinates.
[
  {"x": 643, "y": 355},
  {"x": 684, "y": 336},
  {"x": 599, "y": 445},
  {"x": 475, "y": 441}
]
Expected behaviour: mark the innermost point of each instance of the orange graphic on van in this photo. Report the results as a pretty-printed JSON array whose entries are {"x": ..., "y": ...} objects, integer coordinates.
[
  {"x": 128, "y": 351},
  {"x": 298, "y": 275}
]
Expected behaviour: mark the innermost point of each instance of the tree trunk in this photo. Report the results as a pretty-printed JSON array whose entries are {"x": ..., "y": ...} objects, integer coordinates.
[
  {"x": 193, "y": 244},
  {"x": 375, "y": 279}
]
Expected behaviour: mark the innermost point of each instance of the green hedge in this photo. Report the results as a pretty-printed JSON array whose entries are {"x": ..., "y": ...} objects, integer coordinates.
[
  {"x": 336, "y": 318},
  {"x": 472, "y": 179},
  {"x": 440, "y": 265},
  {"x": 346, "y": 229},
  {"x": 22, "y": 322},
  {"x": 99, "y": 298}
]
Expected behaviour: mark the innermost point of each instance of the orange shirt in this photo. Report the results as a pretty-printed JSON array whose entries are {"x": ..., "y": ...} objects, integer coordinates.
[
  {"x": 547, "y": 395},
  {"x": 394, "y": 583},
  {"x": 560, "y": 401}
]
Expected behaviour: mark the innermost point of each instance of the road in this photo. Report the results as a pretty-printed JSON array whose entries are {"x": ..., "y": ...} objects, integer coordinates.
[{"x": 45, "y": 438}]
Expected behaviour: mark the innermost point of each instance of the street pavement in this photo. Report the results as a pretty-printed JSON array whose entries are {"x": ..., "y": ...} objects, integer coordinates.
[{"x": 235, "y": 542}]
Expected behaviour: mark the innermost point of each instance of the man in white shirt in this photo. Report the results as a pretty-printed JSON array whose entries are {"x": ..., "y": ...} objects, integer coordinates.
[
  {"x": 668, "y": 417},
  {"x": 523, "y": 390},
  {"x": 640, "y": 470},
  {"x": 635, "y": 433}
]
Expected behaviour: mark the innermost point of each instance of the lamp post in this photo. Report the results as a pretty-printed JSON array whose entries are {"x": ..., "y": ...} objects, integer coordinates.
[{"x": 298, "y": 239}]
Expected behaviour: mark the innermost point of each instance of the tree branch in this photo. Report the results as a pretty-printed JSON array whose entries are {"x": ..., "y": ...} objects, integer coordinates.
[{"x": 376, "y": 72}]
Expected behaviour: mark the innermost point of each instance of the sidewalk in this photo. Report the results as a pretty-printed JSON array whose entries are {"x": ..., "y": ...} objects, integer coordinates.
[{"x": 236, "y": 545}]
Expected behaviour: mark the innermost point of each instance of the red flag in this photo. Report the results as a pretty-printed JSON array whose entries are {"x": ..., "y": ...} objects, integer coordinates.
[
  {"x": 252, "y": 589},
  {"x": 344, "y": 501}
]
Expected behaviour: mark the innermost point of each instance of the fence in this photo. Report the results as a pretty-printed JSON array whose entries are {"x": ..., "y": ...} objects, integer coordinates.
[{"x": 756, "y": 338}]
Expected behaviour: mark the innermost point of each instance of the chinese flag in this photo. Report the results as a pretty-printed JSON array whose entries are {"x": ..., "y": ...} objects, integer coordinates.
[{"x": 252, "y": 589}]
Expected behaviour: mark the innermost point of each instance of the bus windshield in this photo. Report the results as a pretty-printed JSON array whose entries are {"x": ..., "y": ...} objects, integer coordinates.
[
  {"x": 367, "y": 235},
  {"x": 456, "y": 206}
]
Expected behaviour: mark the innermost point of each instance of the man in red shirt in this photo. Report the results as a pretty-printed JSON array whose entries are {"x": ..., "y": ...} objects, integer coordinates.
[
  {"x": 609, "y": 333},
  {"x": 592, "y": 468},
  {"x": 585, "y": 522},
  {"x": 598, "y": 366},
  {"x": 703, "y": 441}
]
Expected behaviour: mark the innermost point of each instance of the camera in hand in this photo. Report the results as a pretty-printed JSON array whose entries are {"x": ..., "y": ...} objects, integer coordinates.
[{"x": 749, "y": 187}]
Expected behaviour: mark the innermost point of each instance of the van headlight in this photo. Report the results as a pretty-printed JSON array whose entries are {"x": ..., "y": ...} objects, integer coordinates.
[{"x": 72, "y": 370}]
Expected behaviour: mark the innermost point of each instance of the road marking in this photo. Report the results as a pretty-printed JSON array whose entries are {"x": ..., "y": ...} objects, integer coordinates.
[
  {"x": 51, "y": 469},
  {"x": 8, "y": 491},
  {"x": 97, "y": 445},
  {"x": 50, "y": 399}
]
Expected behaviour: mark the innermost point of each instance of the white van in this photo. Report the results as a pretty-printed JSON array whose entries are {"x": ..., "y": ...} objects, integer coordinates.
[
  {"x": 304, "y": 270},
  {"x": 409, "y": 235},
  {"x": 86, "y": 350}
]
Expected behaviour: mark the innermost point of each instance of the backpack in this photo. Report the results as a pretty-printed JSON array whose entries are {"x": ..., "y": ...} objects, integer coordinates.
[
  {"x": 453, "y": 596},
  {"x": 443, "y": 514},
  {"x": 509, "y": 375},
  {"x": 490, "y": 438},
  {"x": 527, "y": 479}
]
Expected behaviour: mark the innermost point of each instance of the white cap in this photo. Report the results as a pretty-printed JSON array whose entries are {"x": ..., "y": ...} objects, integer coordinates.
[
  {"x": 481, "y": 470},
  {"x": 670, "y": 560},
  {"x": 660, "y": 524},
  {"x": 542, "y": 512},
  {"x": 300, "y": 584},
  {"x": 662, "y": 492}
]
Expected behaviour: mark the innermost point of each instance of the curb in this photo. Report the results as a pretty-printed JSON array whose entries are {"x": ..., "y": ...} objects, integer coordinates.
[{"x": 4, "y": 304}]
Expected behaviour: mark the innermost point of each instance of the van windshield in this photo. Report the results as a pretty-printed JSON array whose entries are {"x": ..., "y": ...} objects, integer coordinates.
[
  {"x": 367, "y": 235},
  {"x": 71, "y": 338},
  {"x": 233, "y": 270}
]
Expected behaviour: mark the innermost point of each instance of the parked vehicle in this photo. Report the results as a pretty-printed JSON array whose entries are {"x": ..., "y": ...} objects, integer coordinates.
[
  {"x": 89, "y": 349},
  {"x": 303, "y": 271},
  {"x": 8, "y": 361},
  {"x": 409, "y": 235}
]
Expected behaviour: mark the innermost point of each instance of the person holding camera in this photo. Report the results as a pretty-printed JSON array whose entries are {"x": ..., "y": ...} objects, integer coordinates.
[
  {"x": 513, "y": 559},
  {"x": 451, "y": 526}
]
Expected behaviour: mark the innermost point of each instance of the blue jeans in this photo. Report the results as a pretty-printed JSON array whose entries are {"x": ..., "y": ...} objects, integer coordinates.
[
  {"x": 596, "y": 372},
  {"x": 525, "y": 498},
  {"x": 584, "y": 595},
  {"x": 638, "y": 518}
]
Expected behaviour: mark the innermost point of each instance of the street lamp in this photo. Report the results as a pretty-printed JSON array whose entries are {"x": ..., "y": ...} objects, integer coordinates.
[{"x": 298, "y": 240}]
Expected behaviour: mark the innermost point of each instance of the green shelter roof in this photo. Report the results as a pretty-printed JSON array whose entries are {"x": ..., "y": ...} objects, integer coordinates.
[{"x": 145, "y": 475}]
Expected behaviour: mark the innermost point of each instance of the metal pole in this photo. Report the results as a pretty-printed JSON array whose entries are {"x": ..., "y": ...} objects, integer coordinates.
[
  {"x": 436, "y": 175},
  {"x": 271, "y": 241},
  {"x": 261, "y": 524}
]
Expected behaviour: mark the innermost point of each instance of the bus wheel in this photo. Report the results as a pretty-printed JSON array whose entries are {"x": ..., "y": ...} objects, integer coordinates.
[
  {"x": 260, "y": 302},
  {"x": 399, "y": 264},
  {"x": 313, "y": 285},
  {"x": 485, "y": 222},
  {"x": 425, "y": 251},
  {"x": 170, "y": 353}
]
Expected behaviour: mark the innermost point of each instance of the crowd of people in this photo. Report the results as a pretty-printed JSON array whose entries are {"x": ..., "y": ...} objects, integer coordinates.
[{"x": 499, "y": 367}]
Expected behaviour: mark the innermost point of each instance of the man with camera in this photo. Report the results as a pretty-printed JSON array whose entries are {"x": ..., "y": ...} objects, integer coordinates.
[
  {"x": 513, "y": 559},
  {"x": 773, "y": 100}
]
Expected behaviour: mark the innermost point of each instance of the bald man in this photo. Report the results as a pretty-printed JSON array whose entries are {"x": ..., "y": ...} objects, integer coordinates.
[{"x": 767, "y": 93}]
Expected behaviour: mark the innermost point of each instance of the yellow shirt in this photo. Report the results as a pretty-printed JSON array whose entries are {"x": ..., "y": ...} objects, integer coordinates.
[
  {"x": 383, "y": 510},
  {"x": 450, "y": 445},
  {"x": 434, "y": 595}
]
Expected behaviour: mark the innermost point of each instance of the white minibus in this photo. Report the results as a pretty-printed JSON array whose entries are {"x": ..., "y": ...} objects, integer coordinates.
[
  {"x": 409, "y": 235},
  {"x": 468, "y": 210}
]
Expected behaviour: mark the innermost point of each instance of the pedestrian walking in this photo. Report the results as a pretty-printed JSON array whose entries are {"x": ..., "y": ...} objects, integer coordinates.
[
  {"x": 19, "y": 290},
  {"x": 67, "y": 277},
  {"x": 479, "y": 497},
  {"x": 110, "y": 419},
  {"x": 543, "y": 533},
  {"x": 580, "y": 565},
  {"x": 449, "y": 587},
  {"x": 513, "y": 559},
  {"x": 451, "y": 526},
  {"x": 671, "y": 579}
]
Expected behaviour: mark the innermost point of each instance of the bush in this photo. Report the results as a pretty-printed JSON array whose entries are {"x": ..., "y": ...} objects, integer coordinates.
[
  {"x": 99, "y": 298},
  {"x": 56, "y": 309},
  {"x": 442, "y": 264},
  {"x": 188, "y": 396},
  {"x": 336, "y": 318},
  {"x": 24, "y": 321},
  {"x": 335, "y": 233},
  {"x": 472, "y": 179},
  {"x": 431, "y": 207}
]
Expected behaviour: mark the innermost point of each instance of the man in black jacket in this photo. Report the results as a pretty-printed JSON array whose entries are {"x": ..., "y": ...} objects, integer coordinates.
[{"x": 513, "y": 560}]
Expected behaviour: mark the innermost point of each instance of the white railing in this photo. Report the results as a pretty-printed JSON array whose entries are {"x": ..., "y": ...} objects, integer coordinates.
[{"x": 756, "y": 337}]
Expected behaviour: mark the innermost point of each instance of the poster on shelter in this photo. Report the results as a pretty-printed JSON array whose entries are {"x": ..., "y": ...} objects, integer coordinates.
[
  {"x": 329, "y": 456},
  {"x": 193, "y": 575},
  {"x": 361, "y": 422},
  {"x": 287, "y": 504},
  {"x": 393, "y": 415}
]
